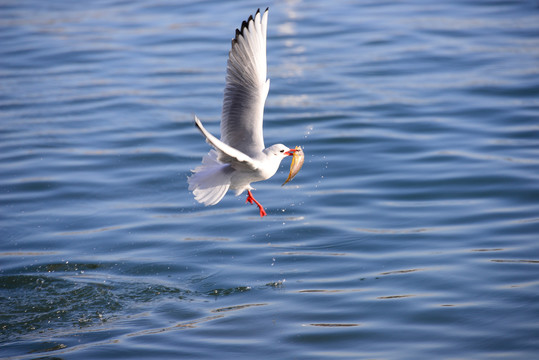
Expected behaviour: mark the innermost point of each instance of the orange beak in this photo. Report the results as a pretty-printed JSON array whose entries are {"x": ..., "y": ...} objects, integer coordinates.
[{"x": 290, "y": 152}]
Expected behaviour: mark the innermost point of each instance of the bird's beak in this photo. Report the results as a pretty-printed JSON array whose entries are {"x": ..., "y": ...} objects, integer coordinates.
[
  {"x": 290, "y": 152},
  {"x": 297, "y": 162}
]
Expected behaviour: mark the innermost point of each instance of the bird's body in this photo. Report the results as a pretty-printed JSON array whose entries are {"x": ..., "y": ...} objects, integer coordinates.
[{"x": 239, "y": 158}]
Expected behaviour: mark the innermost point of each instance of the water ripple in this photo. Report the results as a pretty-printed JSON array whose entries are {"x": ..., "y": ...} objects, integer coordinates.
[{"x": 411, "y": 228}]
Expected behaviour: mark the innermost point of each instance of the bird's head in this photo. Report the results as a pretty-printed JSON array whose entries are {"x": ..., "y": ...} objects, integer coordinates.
[{"x": 279, "y": 151}]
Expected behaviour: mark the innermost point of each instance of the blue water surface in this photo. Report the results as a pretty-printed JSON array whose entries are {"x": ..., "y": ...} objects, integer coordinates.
[{"x": 410, "y": 233}]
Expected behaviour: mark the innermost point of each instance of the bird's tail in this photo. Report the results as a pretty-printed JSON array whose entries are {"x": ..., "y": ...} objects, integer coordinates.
[{"x": 210, "y": 181}]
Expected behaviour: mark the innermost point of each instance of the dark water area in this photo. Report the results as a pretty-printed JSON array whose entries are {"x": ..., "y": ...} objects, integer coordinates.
[{"x": 410, "y": 233}]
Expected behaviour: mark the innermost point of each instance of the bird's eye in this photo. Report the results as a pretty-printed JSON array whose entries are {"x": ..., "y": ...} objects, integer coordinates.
[{"x": 282, "y": 150}]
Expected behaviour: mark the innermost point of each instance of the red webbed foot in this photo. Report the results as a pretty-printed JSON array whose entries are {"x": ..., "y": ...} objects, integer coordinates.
[{"x": 252, "y": 200}]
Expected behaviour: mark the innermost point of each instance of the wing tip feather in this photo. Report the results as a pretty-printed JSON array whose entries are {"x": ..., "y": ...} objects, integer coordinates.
[{"x": 245, "y": 25}]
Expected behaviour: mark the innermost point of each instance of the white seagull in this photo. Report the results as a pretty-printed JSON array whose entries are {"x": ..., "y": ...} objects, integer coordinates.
[{"x": 240, "y": 157}]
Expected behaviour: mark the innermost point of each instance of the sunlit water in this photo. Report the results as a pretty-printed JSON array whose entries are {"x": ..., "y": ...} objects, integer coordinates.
[{"x": 411, "y": 231}]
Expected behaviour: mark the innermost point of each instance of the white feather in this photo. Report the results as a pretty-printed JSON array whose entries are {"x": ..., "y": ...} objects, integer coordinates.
[
  {"x": 246, "y": 88},
  {"x": 227, "y": 154},
  {"x": 211, "y": 180}
]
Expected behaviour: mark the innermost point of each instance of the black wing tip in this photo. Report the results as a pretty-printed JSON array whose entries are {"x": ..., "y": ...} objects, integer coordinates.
[{"x": 245, "y": 24}]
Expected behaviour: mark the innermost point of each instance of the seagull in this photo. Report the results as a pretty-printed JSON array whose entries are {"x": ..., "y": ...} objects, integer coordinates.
[{"x": 240, "y": 158}]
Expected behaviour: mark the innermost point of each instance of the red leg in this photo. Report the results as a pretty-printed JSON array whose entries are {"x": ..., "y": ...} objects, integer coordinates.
[{"x": 252, "y": 200}]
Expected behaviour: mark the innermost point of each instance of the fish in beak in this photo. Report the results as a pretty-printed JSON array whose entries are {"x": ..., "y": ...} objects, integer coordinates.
[{"x": 298, "y": 157}]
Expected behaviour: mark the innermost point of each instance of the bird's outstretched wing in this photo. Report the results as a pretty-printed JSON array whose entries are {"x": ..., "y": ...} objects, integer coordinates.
[
  {"x": 246, "y": 87},
  {"x": 227, "y": 154}
]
